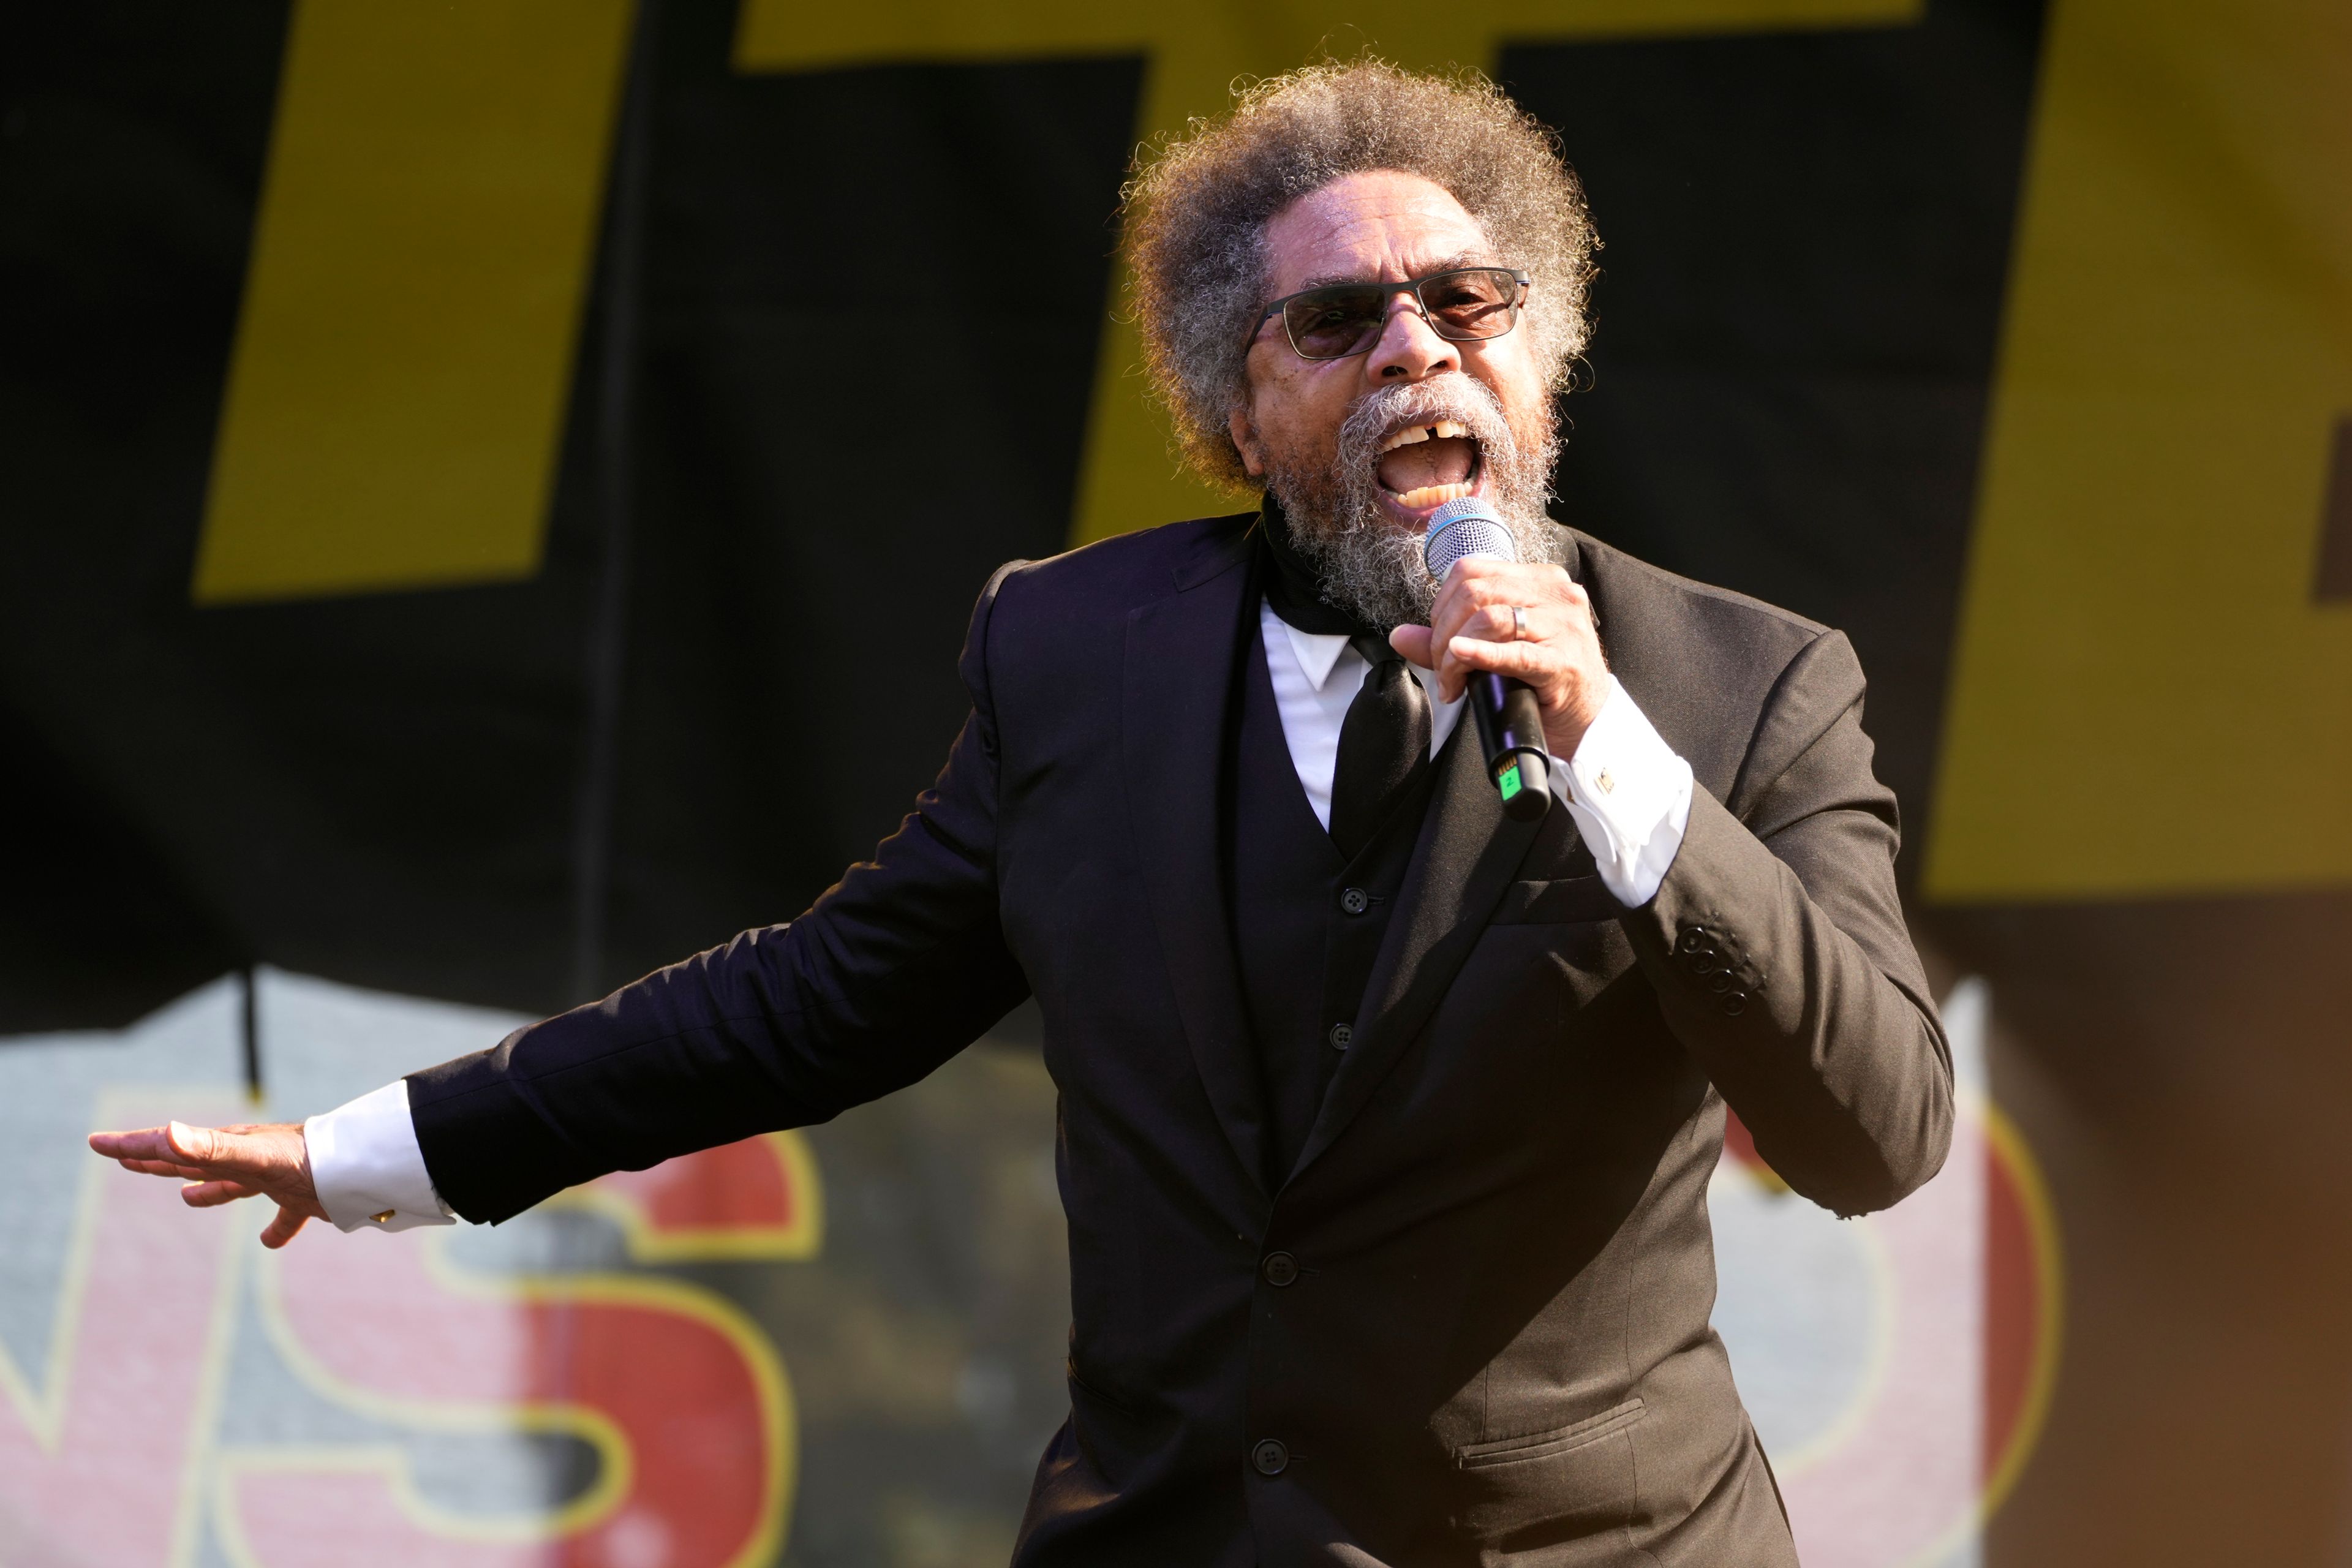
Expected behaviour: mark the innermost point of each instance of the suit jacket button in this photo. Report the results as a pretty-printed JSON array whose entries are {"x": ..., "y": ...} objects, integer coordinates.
[
  {"x": 1270, "y": 1457},
  {"x": 1343, "y": 1035},
  {"x": 1355, "y": 901},
  {"x": 1736, "y": 1003},
  {"x": 1281, "y": 1269}
]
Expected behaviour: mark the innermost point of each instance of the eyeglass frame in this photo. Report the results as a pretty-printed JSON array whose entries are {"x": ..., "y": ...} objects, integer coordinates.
[{"x": 1413, "y": 286}]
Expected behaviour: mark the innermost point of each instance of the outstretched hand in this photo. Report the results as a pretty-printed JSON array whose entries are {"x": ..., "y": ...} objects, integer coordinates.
[{"x": 221, "y": 1164}]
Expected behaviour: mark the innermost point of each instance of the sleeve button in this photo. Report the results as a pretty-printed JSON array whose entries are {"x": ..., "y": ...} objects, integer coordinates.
[{"x": 1736, "y": 1003}]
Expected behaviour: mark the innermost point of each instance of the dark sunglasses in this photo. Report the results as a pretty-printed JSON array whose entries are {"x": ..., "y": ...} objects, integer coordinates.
[{"x": 1462, "y": 304}]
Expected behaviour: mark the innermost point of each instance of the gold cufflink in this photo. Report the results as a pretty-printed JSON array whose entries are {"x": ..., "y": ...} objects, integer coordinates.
[{"x": 384, "y": 1218}]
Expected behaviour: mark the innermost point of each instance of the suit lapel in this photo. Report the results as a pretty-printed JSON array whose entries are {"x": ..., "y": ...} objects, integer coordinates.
[
  {"x": 1463, "y": 862},
  {"x": 1178, "y": 686}
]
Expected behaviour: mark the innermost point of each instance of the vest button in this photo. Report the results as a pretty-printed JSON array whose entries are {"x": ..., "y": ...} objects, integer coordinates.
[
  {"x": 1343, "y": 1035},
  {"x": 1281, "y": 1269},
  {"x": 1270, "y": 1457},
  {"x": 1355, "y": 901}
]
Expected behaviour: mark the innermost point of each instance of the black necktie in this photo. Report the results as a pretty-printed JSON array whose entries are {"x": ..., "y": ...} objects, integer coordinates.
[{"x": 1383, "y": 746}]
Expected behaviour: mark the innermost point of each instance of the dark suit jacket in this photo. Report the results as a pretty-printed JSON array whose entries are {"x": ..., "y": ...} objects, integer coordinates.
[{"x": 1495, "y": 1347}]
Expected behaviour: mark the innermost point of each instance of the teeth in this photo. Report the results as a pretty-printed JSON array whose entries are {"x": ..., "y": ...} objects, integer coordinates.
[
  {"x": 1432, "y": 495},
  {"x": 1413, "y": 435}
]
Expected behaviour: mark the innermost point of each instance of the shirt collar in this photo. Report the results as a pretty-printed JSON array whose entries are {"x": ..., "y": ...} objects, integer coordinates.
[{"x": 1318, "y": 656}]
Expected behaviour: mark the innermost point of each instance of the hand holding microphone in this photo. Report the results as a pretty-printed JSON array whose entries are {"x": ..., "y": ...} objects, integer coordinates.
[{"x": 1516, "y": 636}]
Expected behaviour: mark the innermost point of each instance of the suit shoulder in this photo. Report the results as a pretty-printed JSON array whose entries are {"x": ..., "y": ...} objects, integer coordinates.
[
  {"x": 1118, "y": 574},
  {"x": 1642, "y": 591},
  {"x": 1709, "y": 667},
  {"x": 1043, "y": 620}
]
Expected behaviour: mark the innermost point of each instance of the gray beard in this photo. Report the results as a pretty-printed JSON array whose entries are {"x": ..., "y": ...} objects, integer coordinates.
[{"x": 1365, "y": 564}]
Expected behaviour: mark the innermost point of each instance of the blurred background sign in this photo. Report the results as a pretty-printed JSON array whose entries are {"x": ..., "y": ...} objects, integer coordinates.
[
  {"x": 442, "y": 488},
  {"x": 839, "y": 1346}
]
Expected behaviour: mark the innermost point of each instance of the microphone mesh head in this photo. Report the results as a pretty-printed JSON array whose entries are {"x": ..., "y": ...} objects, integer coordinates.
[{"x": 1465, "y": 527}]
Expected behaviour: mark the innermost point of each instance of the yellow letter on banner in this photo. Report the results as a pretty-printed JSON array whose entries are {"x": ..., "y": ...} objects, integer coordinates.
[
  {"x": 403, "y": 357},
  {"x": 1195, "y": 51},
  {"x": 2145, "y": 700}
]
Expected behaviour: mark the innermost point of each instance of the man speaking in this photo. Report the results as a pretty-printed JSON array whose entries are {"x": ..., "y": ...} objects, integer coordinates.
[{"x": 1387, "y": 1110}]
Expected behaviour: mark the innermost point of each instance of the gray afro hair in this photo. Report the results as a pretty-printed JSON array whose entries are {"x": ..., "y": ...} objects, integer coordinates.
[{"x": 1197, "y": 210}]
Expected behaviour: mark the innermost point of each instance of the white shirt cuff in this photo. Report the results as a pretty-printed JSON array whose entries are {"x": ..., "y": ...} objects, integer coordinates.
[
  {"x": 367, "y": 1167},
  {"x": 1631, "y": 797}
]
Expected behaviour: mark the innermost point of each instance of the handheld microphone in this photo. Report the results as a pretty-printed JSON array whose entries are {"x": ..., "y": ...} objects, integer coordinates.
[{"x": 1510, "y": 726}]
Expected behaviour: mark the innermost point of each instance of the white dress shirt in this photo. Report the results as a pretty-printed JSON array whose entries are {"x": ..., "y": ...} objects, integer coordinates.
[
  {"x": 1629, "y": 792},
  {"x": 366, "y": 1165}
]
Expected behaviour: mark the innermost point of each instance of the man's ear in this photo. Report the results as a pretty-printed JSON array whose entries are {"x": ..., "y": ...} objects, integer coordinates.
[{"x": 1246, "y": 442}]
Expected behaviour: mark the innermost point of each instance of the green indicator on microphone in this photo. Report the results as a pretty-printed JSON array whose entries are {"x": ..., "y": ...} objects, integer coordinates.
[{"x": 1507, "y": 781}]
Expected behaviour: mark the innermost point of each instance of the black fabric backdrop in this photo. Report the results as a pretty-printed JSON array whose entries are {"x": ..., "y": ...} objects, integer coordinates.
[{"x": 1805, "y": 240}]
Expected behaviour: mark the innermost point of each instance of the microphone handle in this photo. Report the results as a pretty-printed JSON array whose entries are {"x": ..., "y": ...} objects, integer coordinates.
[{"x": 1510, "y": 734}]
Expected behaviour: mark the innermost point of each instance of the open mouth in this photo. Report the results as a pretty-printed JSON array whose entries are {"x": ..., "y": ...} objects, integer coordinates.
[{"x": 1422, "y": 466}]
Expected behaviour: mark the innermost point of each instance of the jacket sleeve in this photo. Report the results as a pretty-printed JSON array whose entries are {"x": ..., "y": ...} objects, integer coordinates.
[
  {"x": 895, "y": 969},
  {"x": 1777, "y": 947}
]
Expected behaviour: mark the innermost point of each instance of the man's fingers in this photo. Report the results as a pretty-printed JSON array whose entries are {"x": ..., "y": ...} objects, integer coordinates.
[
  {"x": 282, "y": 1228},
  {"x": 1481, "y": 606},
  {"x": 224, "y": 1154},
  {"x": 1529, "y": 662},
  {"x": 212, "y": 1194},
  {"x": 165, "y": 1168},
  {"x": 143, "y": 1143},
  {"x": 150, "y": 1152},
  {"x": 1496, "y": 623}
]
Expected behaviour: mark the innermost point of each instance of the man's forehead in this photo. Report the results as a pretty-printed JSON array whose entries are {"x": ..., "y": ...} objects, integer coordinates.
[{"x": 1380, "y": 225}]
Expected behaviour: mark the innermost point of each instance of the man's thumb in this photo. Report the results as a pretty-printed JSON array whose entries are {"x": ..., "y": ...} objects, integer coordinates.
[
  {"x": 1413, "y": 643},
  {"x": 197, "y": 1145}
]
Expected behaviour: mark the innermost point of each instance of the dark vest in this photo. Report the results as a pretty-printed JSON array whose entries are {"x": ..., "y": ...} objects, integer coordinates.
[{"x": 1307, "y": 923}]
